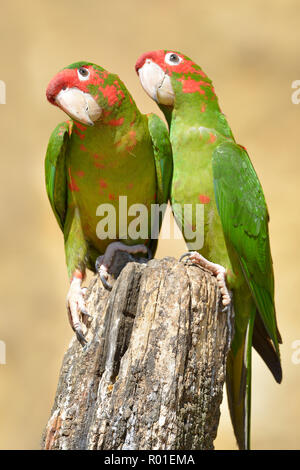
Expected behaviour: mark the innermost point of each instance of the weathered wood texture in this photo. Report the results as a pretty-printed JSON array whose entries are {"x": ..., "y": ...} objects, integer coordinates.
[{"x": 152, "y": 374}]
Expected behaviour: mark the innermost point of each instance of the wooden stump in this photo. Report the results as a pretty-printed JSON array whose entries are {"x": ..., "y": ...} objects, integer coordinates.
[{"x": 152, "y": 374}]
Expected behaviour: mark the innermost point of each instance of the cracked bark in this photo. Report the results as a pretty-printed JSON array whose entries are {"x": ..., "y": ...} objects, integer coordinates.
[{"x": 152, "y": 374}]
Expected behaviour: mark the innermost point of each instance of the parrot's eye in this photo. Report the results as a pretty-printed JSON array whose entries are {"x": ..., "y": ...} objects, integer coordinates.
[
  {"x": 83, "y": 74},
  {"x": 172, "y": 59}
]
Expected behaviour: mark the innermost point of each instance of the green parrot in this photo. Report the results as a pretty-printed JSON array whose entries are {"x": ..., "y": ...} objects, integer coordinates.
[
  {"x": 107, "y": 150},
  {"x": 211, "y": 169}
]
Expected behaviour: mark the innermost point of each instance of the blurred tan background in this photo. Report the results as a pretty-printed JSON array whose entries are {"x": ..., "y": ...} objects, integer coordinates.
[{"x": 251, "y": 51}]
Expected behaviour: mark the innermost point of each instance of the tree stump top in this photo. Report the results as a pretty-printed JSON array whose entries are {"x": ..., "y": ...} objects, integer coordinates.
[{"x": 152, "y": 373}]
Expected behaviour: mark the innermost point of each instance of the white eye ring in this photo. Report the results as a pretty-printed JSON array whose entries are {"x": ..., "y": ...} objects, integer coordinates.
[
  {"x": 172, "y": 59},
  {"x": 83, "y": 74}
]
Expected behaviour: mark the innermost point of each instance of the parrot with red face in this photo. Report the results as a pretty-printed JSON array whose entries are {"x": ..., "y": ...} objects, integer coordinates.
[
  {"x": 107, "y": 150},
  {"x": 211, "y": 169}
]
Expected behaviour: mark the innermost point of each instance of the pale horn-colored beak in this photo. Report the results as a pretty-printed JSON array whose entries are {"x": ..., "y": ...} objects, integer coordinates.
[
  {"x": 165, "y": 92},
  {"x": 156, "y": 83},
  {"x": 79, "y": 105}
]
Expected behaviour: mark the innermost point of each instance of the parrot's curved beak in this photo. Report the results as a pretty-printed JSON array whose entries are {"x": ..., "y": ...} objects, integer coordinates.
[
  {"x": 79, "y": 105},
  {"x": 156, "y": 83}
]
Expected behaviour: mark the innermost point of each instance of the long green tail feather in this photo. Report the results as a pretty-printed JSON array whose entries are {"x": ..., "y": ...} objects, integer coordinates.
[{"x": 238, "y": 383}]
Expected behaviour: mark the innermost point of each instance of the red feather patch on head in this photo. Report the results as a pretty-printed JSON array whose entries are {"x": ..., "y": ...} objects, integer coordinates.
[
  {"x": 156, "y": 56},
  {"x": 68, "y": 78},
  {"x": 106, "y": 86},
  {"x": 185, "y": 66}
]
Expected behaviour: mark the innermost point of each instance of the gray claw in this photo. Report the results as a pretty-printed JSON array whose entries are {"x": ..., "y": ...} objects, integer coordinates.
[
  {"x": 80, "y": 337},
  {"x": 86, "y": 313},
  {"x": 185, "y": 255},
  {"x": 105, "y": 284},
  {"x": 97, "y": 264},
  {"x": 149, "y": 253}
]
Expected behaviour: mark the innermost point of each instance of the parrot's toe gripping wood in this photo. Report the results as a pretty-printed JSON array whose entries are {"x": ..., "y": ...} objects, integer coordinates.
[
  {"x": 102, "y": 270},
  {"x": 216, "y": 269},
  {"x": 76, "y": 308},
  {"x": 104, "y": 262}
]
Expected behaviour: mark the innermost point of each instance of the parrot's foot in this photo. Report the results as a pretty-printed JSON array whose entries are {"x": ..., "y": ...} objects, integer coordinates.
[
  {"x": 217, "y": 270},
  {"x": 104, "y": 262},
  {"x": 76, "y": 308}
]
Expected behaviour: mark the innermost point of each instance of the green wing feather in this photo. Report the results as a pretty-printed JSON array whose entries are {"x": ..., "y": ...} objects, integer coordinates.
[
  {"x": 244, "y": 215},
  {"x": 55, "y": 172},
  {"x": 163, "y": 156},
  {"x": 163, "y": 162}
]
